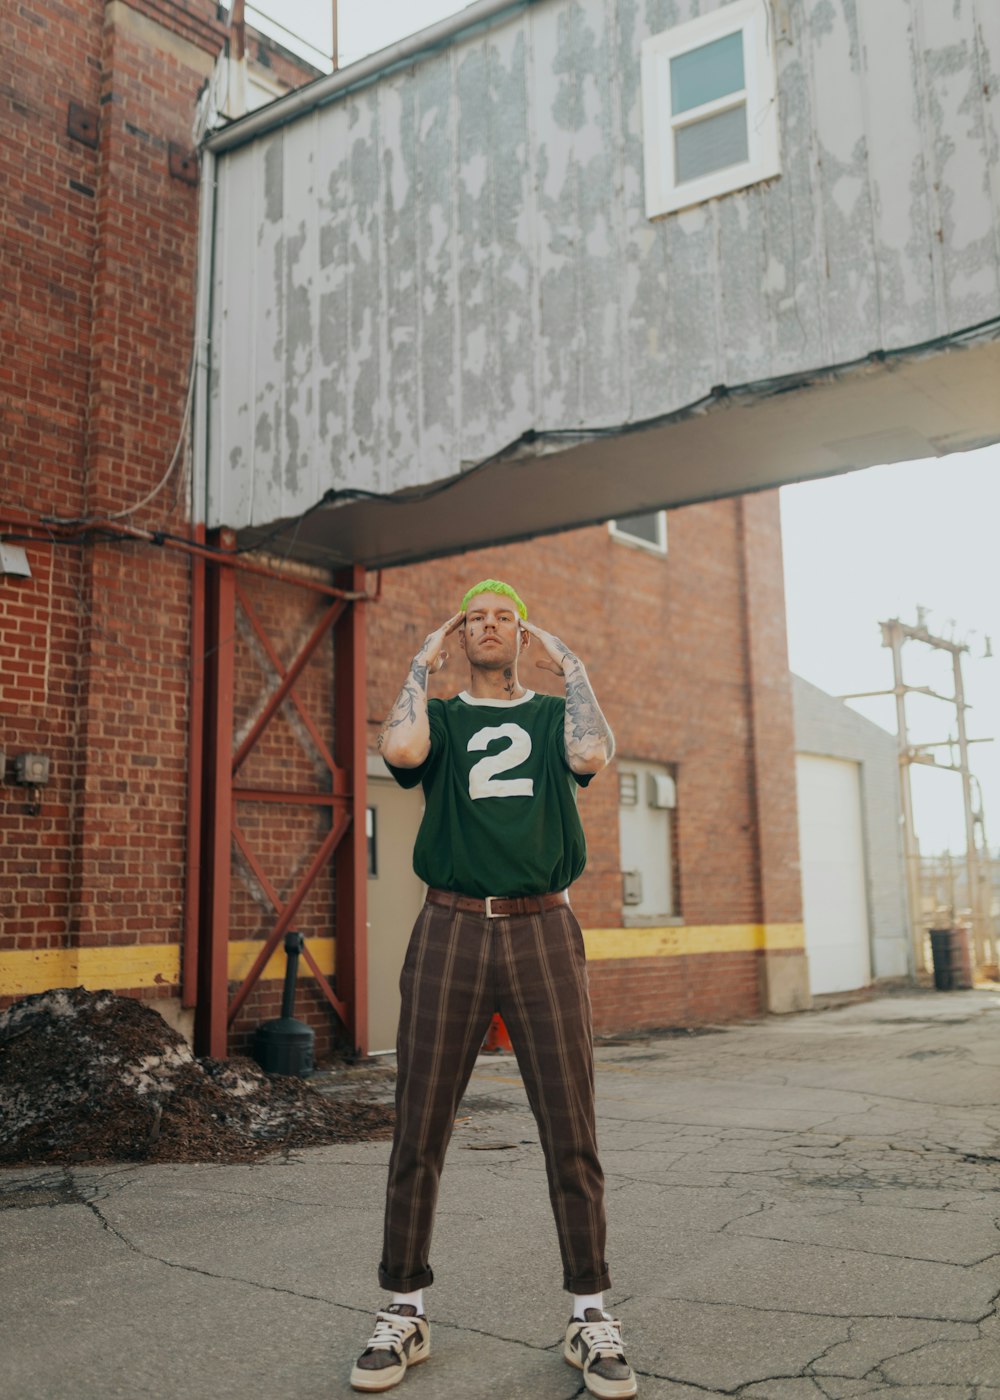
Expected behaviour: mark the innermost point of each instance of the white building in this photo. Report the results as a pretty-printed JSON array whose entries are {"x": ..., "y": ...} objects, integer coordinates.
[{"x": 850, "y": 844}]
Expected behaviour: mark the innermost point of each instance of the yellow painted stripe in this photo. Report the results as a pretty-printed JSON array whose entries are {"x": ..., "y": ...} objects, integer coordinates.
[
  {"x": 674, "y": 941},
  {"x": 24, "y": 971},
  {"x": 119, "y": 968},
  {"x": 243, "y": 951}
]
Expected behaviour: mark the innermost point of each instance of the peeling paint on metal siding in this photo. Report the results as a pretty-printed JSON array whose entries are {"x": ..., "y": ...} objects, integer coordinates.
[
  {"x": 399, "y": 231},
  {"x": 955, "y": 110},
  {"x": 986, "y": 18},
  {"x": 365, "y": 310},
  {"x": 513, "y": 220},
  {"x": 435, "y": 153},
  {"x": 416, "y": 273},
  {"x": 494, "y": 275},
  {"x": 232, "y": 431},
  {"x": 673, "y": 312},
  {"x": 604, "y": 398},
  {"x": 625, "y": 189},
  {"x": 579, "y": 248},
  {"x": 557, "y": 293},
  {"x": 897, "y": 174},
  {"x": 478, "y": 293},
  {"x": 796, "y": 251},
  {"x": 333, "y": 197},
  {"x": 745, "y": 289},
  {"x": 269, "y": 349},
  {"x": 298, "y": 469},
  {"x": 853, "y": 312},
  {"x": 645, "y": 278}
]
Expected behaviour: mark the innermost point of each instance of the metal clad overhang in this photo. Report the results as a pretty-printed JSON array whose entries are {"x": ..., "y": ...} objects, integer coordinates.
[{"x": 923, "y": 403}]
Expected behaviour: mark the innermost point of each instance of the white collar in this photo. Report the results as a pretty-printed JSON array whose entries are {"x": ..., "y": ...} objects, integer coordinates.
[{"x": 503, "y": 704}]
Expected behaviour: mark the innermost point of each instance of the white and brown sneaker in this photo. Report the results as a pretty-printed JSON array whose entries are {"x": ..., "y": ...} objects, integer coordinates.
[
  {"x": 594, "y": 1346},
  {"x": 402, "y": 1338}
]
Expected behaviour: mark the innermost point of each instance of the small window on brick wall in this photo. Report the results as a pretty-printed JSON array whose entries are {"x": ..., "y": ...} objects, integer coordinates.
[
  {"x": 647, "y": 801},
  {"x": 710, "y": 107},
  {"x": 649, "y": 530}
]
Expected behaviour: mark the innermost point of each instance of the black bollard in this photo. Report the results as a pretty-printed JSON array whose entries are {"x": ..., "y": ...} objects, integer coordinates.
[{"x": 285, "y": 1046}]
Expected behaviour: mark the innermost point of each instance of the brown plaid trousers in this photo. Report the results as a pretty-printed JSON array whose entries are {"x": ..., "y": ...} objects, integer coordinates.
[{"x": 459, "y": 969}]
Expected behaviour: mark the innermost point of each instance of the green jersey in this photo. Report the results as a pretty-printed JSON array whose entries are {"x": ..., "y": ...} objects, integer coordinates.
[{"x": 500, "y": 815}]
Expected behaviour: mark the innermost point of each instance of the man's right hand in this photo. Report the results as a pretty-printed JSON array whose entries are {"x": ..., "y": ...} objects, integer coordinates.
[{"x": 432, "y": 653}]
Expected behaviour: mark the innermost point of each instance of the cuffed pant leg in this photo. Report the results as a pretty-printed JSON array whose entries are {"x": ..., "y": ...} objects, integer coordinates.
[
  {"x": 447, "y": 1002},
  {"x": 545, "y": 1004}
]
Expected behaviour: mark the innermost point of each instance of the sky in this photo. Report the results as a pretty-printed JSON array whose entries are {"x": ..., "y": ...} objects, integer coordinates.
[
  {"x": 877, "y": 544},
  {"x": 858, "y": 548},
  {"x": 363, "y": 25}
]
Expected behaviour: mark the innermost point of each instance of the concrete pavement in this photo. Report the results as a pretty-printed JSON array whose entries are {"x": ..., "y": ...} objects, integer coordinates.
[{"x": 799, "y": 1208}]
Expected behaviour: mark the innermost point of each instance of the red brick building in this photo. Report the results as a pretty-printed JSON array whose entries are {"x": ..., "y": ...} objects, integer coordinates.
[{"x": 97, "y": 877}]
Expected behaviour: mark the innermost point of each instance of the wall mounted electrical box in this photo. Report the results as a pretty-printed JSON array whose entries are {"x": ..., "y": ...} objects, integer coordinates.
[{"x": 31, "y": 769}]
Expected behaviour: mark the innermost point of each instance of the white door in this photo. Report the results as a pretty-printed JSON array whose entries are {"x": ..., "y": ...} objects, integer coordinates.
[
  {"x": 646, "y": 796},
  {"x": 831, "y": 845},
  {"x": 395, "y": 896}
]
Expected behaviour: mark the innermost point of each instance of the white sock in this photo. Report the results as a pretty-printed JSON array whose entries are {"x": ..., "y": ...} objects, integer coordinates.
[
  {"x": 415, "y": 1300},
  {"x": 583, "y": 1301}
]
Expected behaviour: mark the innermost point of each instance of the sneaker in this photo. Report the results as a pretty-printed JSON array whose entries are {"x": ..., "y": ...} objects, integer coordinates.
[
  {"x": 402, "y": 1338},
  {"x": 594, "y": 1347}
]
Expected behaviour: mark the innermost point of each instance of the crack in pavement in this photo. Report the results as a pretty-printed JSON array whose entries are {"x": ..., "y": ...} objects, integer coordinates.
[{"x": 298, "y": 1293}]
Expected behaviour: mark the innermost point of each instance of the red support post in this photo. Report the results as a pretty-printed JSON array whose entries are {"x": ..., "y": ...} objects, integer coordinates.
[
  {"x": 213, "y": 967},
  {"x": 196, "y": 743},
  {"x": 351, "y": 862}
]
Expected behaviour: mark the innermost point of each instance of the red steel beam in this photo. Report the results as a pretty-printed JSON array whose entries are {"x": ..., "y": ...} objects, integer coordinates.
[
  {"x": 328, "y": 619},
  {"x": 51, "y": 532},
  {"x": 210, "y": 1023},
  {"x": 350, "y": 750},
  {"x": 324, "y": 985},
  {"x": 279, "y": 666},
  {"x": 258, "y": 870},
  {"x": 330, "y": 843},
  {"x": 196, "y": 744},
  {"x": 275, "y": 899}
]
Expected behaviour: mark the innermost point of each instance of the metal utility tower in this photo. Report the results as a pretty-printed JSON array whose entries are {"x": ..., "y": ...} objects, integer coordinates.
[{"x": 977, "y": 859}]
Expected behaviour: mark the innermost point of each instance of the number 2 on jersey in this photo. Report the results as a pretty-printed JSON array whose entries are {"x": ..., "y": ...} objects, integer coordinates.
[{"x": 483, "y": 776}]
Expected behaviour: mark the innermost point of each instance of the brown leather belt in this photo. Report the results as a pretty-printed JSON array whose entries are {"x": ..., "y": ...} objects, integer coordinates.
[{"x": 496, "y": 906}]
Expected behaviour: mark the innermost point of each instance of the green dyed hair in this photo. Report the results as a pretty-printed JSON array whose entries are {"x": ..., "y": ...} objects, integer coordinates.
[{"x": 494, "y": 585}]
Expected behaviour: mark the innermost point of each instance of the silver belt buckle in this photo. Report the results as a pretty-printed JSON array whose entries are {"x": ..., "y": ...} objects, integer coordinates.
[{"x": 489, "y": 906}]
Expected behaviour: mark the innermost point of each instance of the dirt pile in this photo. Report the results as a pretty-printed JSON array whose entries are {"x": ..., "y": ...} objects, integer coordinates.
[{"x": 91, "y": 1076}]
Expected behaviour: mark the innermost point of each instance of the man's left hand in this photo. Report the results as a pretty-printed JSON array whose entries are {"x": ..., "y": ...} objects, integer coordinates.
[{"x": 557, "y": 652}]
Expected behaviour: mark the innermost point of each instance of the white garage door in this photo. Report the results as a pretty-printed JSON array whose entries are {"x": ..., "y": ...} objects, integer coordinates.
[{"x": 833, "y": 873}]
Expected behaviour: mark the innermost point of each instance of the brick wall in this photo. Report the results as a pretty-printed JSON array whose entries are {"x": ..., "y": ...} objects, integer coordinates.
[
  {"x": 100, "y": 310},
  {"x": 48, "y": 230}
]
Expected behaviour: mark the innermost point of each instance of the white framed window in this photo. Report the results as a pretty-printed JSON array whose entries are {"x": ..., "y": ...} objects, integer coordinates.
[
  {"x": 710, "y": 107},
  {"x": 647, "y": 799},
  {"x": 648, "y": 530}
]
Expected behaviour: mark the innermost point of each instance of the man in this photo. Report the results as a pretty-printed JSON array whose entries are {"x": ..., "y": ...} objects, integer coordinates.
[{"x": 499, "y": 844}]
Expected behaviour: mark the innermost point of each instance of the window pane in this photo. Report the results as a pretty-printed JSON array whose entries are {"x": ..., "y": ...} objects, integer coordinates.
[
  {"x": 643, "y": 527},
  {"x": 702, "y": 75},
  {"x": 711, "y": 144}
]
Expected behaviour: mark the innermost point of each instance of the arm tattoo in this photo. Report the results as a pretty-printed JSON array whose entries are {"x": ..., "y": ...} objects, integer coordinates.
[
  {"x": 410, "y": 701},
  {"x": 587, "y": 733},
  {"x": 405, "y": 709}
]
